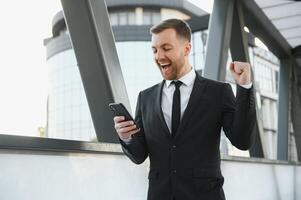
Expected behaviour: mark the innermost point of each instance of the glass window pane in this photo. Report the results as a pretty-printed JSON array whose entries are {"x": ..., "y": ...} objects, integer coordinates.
[
  {"x": 147, "y": 18},
  {"x": 122, "y": 18},
  {"x": 114, "y": 19},
  {"x": 156, "y": 17},
  {"x": 131, "y": 18}
]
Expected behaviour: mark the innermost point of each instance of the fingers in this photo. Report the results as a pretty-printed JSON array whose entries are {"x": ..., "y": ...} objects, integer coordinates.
[
  {"x": 233, "y": 72},
  {"x": 231, "y": 67},
  {"x": 126, "y": 129},
  {"x": 125, "y": 133},
  {"x": 235, "y": 69},
  {"x": 134, "y": 131},
  {"x": 241, "y": 72},
  {"x": 239, "y": 67},
  {"x": 128, "y": 134},
  {"x": 122, "y": 124},
  {"x": 241, "y": 64},
  {"x": 118, "y": 119}
]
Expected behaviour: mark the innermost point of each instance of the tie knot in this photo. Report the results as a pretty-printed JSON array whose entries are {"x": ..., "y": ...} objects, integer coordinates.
[{"x": 177, "y": 84}]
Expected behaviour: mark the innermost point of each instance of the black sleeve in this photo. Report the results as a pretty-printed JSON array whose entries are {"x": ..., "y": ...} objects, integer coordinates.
[
  {"x": 239, "y": 116},
  {"x": 136, "y": 149}
]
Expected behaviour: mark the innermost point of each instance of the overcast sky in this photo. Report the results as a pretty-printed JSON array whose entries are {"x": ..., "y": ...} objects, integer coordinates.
[
  {"x": 206, "y": 5},
  {"x": 23, "y": 73},
  {"x": 23, "y": 70}
]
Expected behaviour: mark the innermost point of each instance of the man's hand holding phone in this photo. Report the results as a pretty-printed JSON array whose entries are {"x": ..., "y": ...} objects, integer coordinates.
[{"x": 125, "y": 128}]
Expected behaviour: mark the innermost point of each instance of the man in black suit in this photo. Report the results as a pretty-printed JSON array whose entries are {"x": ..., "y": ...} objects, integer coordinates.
[{"x": 180, "y": 121}]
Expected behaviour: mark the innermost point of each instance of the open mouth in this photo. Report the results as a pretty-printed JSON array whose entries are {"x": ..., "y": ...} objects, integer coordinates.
[{"x": 165, "y": 66}]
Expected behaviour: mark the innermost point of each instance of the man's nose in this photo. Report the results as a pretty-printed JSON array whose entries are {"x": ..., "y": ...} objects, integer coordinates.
[{"x": 159, "y": 55}]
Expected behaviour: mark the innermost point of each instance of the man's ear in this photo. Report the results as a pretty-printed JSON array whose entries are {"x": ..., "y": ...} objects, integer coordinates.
[{"x": 187, "y": 48}]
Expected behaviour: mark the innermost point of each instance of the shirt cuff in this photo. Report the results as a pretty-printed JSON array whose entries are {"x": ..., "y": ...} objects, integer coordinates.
[{"x": 247, "y": 86}]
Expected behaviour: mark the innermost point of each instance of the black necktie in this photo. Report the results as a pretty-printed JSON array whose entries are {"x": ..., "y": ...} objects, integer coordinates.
[{"x": 176, "y": 108}]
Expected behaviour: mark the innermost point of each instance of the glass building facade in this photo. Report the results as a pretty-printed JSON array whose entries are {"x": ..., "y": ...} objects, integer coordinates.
[
  {"x": 68, "y": 113},
  {"x": 198, "y": 51}
]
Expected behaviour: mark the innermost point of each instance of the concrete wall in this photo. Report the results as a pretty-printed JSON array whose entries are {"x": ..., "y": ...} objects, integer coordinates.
[{"x": 35, "y": 175}]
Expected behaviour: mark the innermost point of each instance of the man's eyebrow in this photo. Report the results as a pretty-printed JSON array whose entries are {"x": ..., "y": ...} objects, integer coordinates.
[
  {"x": 162, "y": 45},
  {"x": 166, "y": 44}
]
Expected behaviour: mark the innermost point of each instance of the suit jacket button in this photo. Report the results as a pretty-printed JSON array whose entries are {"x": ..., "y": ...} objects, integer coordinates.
[
  {"x": 174, "y": 146},
  {"x": 174, "y": 171}
]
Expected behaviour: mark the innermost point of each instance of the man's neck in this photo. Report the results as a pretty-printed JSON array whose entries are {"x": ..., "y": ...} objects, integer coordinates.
[{"x": 187, "y": 68}]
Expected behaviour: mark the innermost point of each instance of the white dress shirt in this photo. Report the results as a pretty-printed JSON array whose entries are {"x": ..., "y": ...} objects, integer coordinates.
[{"x": 167, "y": 96}]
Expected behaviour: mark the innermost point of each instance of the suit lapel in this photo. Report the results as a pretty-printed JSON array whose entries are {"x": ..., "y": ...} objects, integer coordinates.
[
  {"x": 194, "y": 101},
  {"x": 158, "y": 108}
]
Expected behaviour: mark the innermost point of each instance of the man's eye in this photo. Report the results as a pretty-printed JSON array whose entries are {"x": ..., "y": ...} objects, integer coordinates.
[{"x": 167, "y": 49}]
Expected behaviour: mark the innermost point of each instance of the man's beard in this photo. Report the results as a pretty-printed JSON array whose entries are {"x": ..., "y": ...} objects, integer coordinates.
[{"x": 172, "y": 75}]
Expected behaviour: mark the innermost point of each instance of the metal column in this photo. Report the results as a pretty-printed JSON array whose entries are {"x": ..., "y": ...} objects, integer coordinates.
[
  {"x": 219, "y": 39},
  {"x": 95, "y": 51},
  {"x": 239, "y": 40},
  {"x": 239, "y": 52},
  {"x": 283, "y": 110},
  {"x": 296, "y": 99}
]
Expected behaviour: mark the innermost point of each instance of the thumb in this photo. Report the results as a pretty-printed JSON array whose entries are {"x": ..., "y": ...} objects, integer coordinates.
[{"x": 232, "y": 67}]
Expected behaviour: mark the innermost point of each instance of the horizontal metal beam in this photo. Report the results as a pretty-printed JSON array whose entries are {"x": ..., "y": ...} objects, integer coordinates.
[
  {"x": 181, "y": 5},
  {"x": 55, "y": 145},
  {"x": 262, "y": 27},
  {"x": 132, "y": 33},
  {"x": 297, "y": 52},
  {"x": 199, "y": 23}
]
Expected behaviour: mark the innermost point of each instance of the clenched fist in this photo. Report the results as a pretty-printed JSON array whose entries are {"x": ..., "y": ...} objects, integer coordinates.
[{"x": 241, "y": 72}]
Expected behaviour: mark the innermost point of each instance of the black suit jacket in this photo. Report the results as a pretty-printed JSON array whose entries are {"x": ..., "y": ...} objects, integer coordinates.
[{"x": 187, "y": 166}]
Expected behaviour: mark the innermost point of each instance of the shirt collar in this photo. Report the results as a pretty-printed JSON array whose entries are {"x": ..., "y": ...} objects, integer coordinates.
[{"x": 187, "y": 79}]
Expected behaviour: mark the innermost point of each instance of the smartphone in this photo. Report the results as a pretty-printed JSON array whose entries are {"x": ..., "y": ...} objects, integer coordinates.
[{"x": 120, "y": 110}]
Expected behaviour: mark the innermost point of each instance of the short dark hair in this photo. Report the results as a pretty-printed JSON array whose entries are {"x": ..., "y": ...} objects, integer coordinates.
[{"x": 180, "y": 26}]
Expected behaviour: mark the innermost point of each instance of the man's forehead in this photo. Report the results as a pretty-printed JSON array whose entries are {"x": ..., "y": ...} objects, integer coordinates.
[
  {"x": 165, "y": 37},
  {"x": 164, "y": 33}
]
